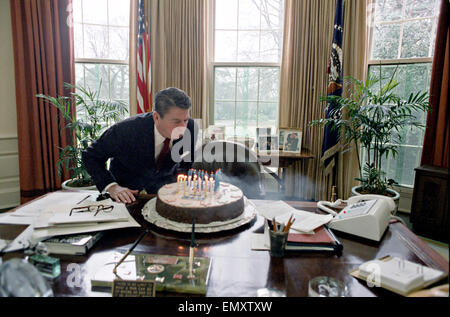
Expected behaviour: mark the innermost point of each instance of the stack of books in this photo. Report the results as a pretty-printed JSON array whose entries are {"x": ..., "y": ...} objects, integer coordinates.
[
  {"x": 75, "y": 244},
  {"x": 321, "y": 240}
]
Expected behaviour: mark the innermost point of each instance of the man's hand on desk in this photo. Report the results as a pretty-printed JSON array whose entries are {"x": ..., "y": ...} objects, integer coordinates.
[{"x": 122, "y": 194}]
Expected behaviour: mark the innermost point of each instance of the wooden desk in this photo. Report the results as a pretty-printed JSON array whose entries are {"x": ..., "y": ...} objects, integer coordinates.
[{"x": 239, "y": 271}]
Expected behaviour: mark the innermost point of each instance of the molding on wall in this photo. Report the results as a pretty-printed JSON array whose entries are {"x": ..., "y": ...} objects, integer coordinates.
[{"x": 9, "y": 172}]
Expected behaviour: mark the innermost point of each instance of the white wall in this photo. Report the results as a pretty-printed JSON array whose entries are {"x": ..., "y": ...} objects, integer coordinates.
[{"x": 9, "y": 159}]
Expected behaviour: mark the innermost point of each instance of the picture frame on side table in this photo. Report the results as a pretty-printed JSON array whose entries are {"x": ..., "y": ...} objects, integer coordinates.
[
  {"x": 268, "y": 143},
  {"x": 292, "y": 140}
]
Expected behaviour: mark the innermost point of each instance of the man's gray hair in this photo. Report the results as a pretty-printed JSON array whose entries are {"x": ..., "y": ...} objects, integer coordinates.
[{"x": 171, "y": 97}]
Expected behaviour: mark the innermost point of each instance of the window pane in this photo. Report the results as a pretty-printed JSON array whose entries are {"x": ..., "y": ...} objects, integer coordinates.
[
  {"x": 77, "y": 11},
  {"x": 247, "y": 84},
  {"x": 269, "y": 87},
  {"x": 250, "y": 91},
  {"x": 419, "y": 8},
  {"x": 95, "y": 11},
  {"x": 118, "y": 45},
  {"x": 268, "y": 114},
  {"x": 249, "y": 14},
  {"x": 385, "y": 41},
  {"x": 256, "y": 98},
  {"x": 95, "y": 41},
  {"x": 416, "y": 38},
  {"x": 78, "y": 40},
  {"x": 79, "y": 74},
  {"x": 412, "y": 160},
  {"x": 248, "y": 48},
  {"x": 225, "y": 46},
  {"x": 119, "y": 12},
  {"x": 226, "y": 14},
  {"x": 96, "y": 75},
  {"x": 272, "y": 14},
  {"x": 225, "y": 79},
  {"x": 224, "y": 114},
  {"x": 119, "y": 82},
  {"x": 246, "y": 116},
  {"x": 412, "y": 78},
  {"x": 270, "y": 46},
  {"x": 388, "y": 10}
]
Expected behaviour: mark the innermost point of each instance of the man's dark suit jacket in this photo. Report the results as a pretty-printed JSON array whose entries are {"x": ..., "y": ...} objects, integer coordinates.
[{"x": 131, "y": 146}]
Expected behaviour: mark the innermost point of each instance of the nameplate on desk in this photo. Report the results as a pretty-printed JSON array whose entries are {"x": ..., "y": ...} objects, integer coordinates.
[{"x": 127, "y": 288}]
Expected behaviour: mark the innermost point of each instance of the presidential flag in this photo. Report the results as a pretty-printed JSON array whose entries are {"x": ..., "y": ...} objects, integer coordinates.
[
  {"x": 331, "y": 137},
  {"x": 144, "y": 78}
]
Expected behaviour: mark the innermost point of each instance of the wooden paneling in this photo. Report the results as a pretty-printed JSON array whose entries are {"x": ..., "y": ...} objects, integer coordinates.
[{"x": 9, "y": 173}]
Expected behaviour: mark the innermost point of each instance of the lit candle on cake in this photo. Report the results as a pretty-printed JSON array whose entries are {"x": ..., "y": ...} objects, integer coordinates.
[
  {"x": 206, "y": 185},
  {"x": 217, "y": 180},
  {"x": 184, "y": 185},
  {"x": 179, "y": 178},
  {"x": 195, "y": 184}
]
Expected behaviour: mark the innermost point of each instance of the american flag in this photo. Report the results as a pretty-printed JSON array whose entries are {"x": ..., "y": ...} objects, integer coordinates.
[
  {"x": 144, "y": 78},
  {"x": 331, "y": 137}
]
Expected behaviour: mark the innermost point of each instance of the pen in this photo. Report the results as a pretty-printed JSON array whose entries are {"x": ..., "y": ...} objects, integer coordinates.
[
  {"x": 129, "y": 251},
  {"x": 83, "y": 199}
]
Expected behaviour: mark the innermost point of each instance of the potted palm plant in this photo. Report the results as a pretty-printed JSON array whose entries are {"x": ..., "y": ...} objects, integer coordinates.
[
  {"x": 93, "y": 116},
  {"x": 371, "y": 118}
]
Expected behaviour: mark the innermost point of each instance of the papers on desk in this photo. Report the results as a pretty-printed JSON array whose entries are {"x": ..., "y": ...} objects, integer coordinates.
[
  {"x": 305, "y": 221},
  {"x": 60, "y": 214},
  {"x": 27, "y": 214},
  {"x": 49, "y": 216}
]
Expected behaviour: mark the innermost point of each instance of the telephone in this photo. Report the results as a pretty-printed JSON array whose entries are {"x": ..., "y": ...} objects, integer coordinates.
[{"x": 365, "y": 216}]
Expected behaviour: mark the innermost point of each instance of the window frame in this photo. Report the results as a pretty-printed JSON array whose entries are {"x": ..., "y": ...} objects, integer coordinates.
[
  {"x": 402, "y": 61},
  {"x": 212, "y": 65},
  {"x": 100, "y": 61}
]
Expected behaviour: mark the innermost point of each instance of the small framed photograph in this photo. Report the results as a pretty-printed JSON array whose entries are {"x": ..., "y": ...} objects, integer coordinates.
[
  {"x": 281, "y": 132},
  {"x": 268, "y": 143},
  {"x": 214, "y": 133},
  {"x": 263, "y": 132},
  {"x": 292, "y": 141}
]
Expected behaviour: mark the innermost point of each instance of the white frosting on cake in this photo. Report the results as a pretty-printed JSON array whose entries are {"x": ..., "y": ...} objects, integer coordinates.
[{"x": 226, "y": 194}]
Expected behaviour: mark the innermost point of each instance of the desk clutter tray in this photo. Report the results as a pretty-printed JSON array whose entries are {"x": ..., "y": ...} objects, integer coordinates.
[
  {"x": 169, "y": 272},
  {"x": 397, "y": 275}
]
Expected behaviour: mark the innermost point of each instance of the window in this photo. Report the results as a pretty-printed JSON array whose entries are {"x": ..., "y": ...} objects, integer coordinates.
[
  {"x": 246, "y": 67},
  {"x": 403, "y": 38},
  {"x": 101, "y": 32}
]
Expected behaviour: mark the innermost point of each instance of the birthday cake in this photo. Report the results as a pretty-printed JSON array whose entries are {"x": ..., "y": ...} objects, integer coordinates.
[{"x": 186, "y": 199}]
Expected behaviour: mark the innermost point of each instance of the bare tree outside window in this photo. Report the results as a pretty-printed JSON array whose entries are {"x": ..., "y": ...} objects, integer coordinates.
[
  {"x": 247, "y": 56},
  {"x": 101, "y": 34}
]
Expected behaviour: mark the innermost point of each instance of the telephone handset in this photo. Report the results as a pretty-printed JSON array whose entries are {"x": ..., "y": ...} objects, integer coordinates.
[{"x": 365, "y": 215}]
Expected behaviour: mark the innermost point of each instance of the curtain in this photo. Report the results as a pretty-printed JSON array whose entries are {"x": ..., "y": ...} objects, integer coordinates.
[
  {"x": 44, "y": 61},
  {"x": 308, "y": 30},
  {"x": 177, "y": 48},
  {"x": 436, "y": 143},
  {"x": 355, "y": 56}
]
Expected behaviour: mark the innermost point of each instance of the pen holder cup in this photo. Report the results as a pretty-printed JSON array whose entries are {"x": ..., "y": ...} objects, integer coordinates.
[{"x": 277, "y": 243}]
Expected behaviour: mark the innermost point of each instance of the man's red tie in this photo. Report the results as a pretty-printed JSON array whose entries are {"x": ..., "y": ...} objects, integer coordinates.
[{"x": 165, "y": 150}]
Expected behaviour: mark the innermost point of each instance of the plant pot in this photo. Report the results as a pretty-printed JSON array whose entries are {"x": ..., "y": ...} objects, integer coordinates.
[
  {"x": 67, "y": 187},
  {"x": 395, "y": 197}
]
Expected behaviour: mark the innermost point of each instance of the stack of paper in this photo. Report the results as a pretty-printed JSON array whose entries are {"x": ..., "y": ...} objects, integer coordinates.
[
  {"x": 50, "y": 216},
  {"x": 305, "y": 221},
  {"x": 397, "y": 274}
]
